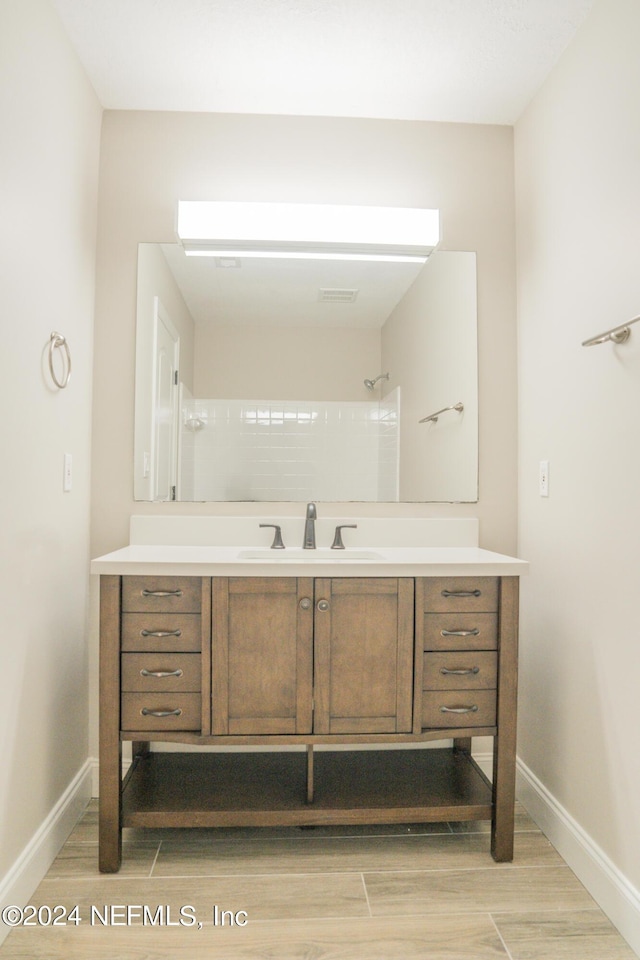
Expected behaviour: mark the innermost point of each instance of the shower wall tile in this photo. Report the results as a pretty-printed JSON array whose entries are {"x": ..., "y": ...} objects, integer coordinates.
[{"x": 261, "y": 450}]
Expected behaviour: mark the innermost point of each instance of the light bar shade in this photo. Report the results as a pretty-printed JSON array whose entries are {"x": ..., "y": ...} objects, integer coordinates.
[{"x": 213, "y": 228}]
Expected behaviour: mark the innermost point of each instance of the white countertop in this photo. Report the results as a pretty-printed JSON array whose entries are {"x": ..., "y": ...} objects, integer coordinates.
[{"x": 225, "y": 561}]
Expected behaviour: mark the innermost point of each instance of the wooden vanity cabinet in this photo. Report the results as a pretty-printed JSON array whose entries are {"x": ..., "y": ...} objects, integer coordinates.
[
  {"x": 467, "y": 630},
  {"x": 262, "y": 648},
  {"x": 364, "y": 653},
  {"x": 312, "y": 656},
  {"x": 299, "y": 662},
  {"x": 460, "y": 660}
]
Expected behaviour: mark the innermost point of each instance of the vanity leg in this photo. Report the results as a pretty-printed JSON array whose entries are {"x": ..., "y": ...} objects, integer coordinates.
[
  {"x": 110, "y": 817},
  {"x": 504, "y": 744},
  {"x": 309, "y": 773}
]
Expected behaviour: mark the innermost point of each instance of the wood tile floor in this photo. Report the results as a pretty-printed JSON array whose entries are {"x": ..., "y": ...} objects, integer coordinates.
[{"x": 420, "y": 892}]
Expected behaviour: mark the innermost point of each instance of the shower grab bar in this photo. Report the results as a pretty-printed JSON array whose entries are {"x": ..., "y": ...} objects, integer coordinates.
[
  {"x": 618, "y": 334},
  {"x": 434, "y": 416}
]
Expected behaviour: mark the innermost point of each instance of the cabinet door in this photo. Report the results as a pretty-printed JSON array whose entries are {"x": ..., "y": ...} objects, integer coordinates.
[
  {"x": 363, "y": 655},
  {"x": 262, "y": 662}
]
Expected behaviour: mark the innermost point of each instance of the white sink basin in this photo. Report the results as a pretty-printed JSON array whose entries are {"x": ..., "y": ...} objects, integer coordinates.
[{"x": 296, "y": 555}]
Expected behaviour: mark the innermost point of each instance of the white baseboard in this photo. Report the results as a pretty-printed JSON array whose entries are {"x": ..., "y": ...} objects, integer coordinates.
[
  {"x": 607, "y": 885},
  {"x": 617, "y": 897},
  {"x": 485, "y": 762},
  {"x": 19, "y": 884},
  {"x": 94, "y": 765}
]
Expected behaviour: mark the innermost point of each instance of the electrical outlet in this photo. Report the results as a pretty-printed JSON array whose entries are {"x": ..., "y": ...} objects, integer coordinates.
[{"x": 543, "y": 478}]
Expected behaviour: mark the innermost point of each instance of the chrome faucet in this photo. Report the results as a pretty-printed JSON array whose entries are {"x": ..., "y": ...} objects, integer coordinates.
[{"x": 309, "y": 541}]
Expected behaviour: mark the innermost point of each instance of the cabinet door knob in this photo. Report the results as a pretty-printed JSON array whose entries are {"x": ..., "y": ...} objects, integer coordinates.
[
  {"x": 305, "y": 603},
  {"x": 323, "y": 605}
]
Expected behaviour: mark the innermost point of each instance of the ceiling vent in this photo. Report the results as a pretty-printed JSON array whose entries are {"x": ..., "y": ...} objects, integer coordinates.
[{"x": 336, "y": 295}]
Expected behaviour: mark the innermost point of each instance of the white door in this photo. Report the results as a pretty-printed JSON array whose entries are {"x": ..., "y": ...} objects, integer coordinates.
[{"x": 165, "y": 406}]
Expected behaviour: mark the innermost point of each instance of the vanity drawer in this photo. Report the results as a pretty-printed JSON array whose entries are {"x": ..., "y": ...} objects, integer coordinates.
[
  {"x": 460, "y": 670},
  {"x": 460, "y": 594},
  {"x": 161, "y": 711},
  {"x": 460, "y": 631},
  {"x": 458, "y": 708},
  {"x": 179, "y": 632},
  {"x": 162, "y": 594},
  {"x": 160, "y": 672}
]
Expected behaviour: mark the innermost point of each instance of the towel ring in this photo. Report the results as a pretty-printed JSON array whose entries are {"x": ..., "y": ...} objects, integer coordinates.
[{"x": 58, "y": 342}]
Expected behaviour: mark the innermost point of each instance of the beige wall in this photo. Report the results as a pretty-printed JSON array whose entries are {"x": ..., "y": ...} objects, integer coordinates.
[
  {"x": 313, "y": 363},
  {"x": 150, "y": 160},
  {"x": 578, "y": 222},
  {"x": 430, "y": 343},
  {"x": 50, "y": 122}
]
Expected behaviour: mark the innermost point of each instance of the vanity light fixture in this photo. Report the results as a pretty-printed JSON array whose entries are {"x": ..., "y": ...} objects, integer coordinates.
[{"x": 210, "y": 228}]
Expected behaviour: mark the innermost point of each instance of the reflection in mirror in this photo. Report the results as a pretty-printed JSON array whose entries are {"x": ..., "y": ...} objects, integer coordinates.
[{"x": 274, "y": 380}]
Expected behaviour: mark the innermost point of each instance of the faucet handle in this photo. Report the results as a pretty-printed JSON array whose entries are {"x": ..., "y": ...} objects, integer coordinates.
[
  {"x": 277, "y": 537},
  {"x": 337, "y": 540}
]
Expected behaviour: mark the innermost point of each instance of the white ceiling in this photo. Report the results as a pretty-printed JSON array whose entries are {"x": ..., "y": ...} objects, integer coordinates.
[
  {"x": 287, "y": 292},
  {"x": 468, "y": 61}
]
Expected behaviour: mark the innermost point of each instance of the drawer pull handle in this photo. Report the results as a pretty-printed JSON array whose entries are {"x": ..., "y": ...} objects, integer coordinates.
[
  {"x": 460, "y": 633},
  {"x": 473, "y": 709},
  {"x": 161, "y": 633},
  {"x": 160, "y": 713},
  {"x": 161, "y": 674},
  {"x": 461, "y": 593},
  {"x": 162, "y": 593},
  {"x": 459, "y": 673}
]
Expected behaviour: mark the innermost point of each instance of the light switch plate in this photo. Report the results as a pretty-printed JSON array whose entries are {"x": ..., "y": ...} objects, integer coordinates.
[
  {"x": 543, "y": 478},
  {"x": 67, "y": 481}
]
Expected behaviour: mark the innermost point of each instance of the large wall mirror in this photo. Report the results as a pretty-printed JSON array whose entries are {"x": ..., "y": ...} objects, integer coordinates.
[{"x": 298, "y": 380}]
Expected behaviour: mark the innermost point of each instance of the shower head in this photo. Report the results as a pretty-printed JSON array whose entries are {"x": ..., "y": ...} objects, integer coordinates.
[{"x": 370, "y": 384}]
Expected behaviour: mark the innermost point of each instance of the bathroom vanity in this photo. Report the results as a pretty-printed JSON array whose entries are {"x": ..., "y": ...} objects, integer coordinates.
[{"x": 345, "y": 667}]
